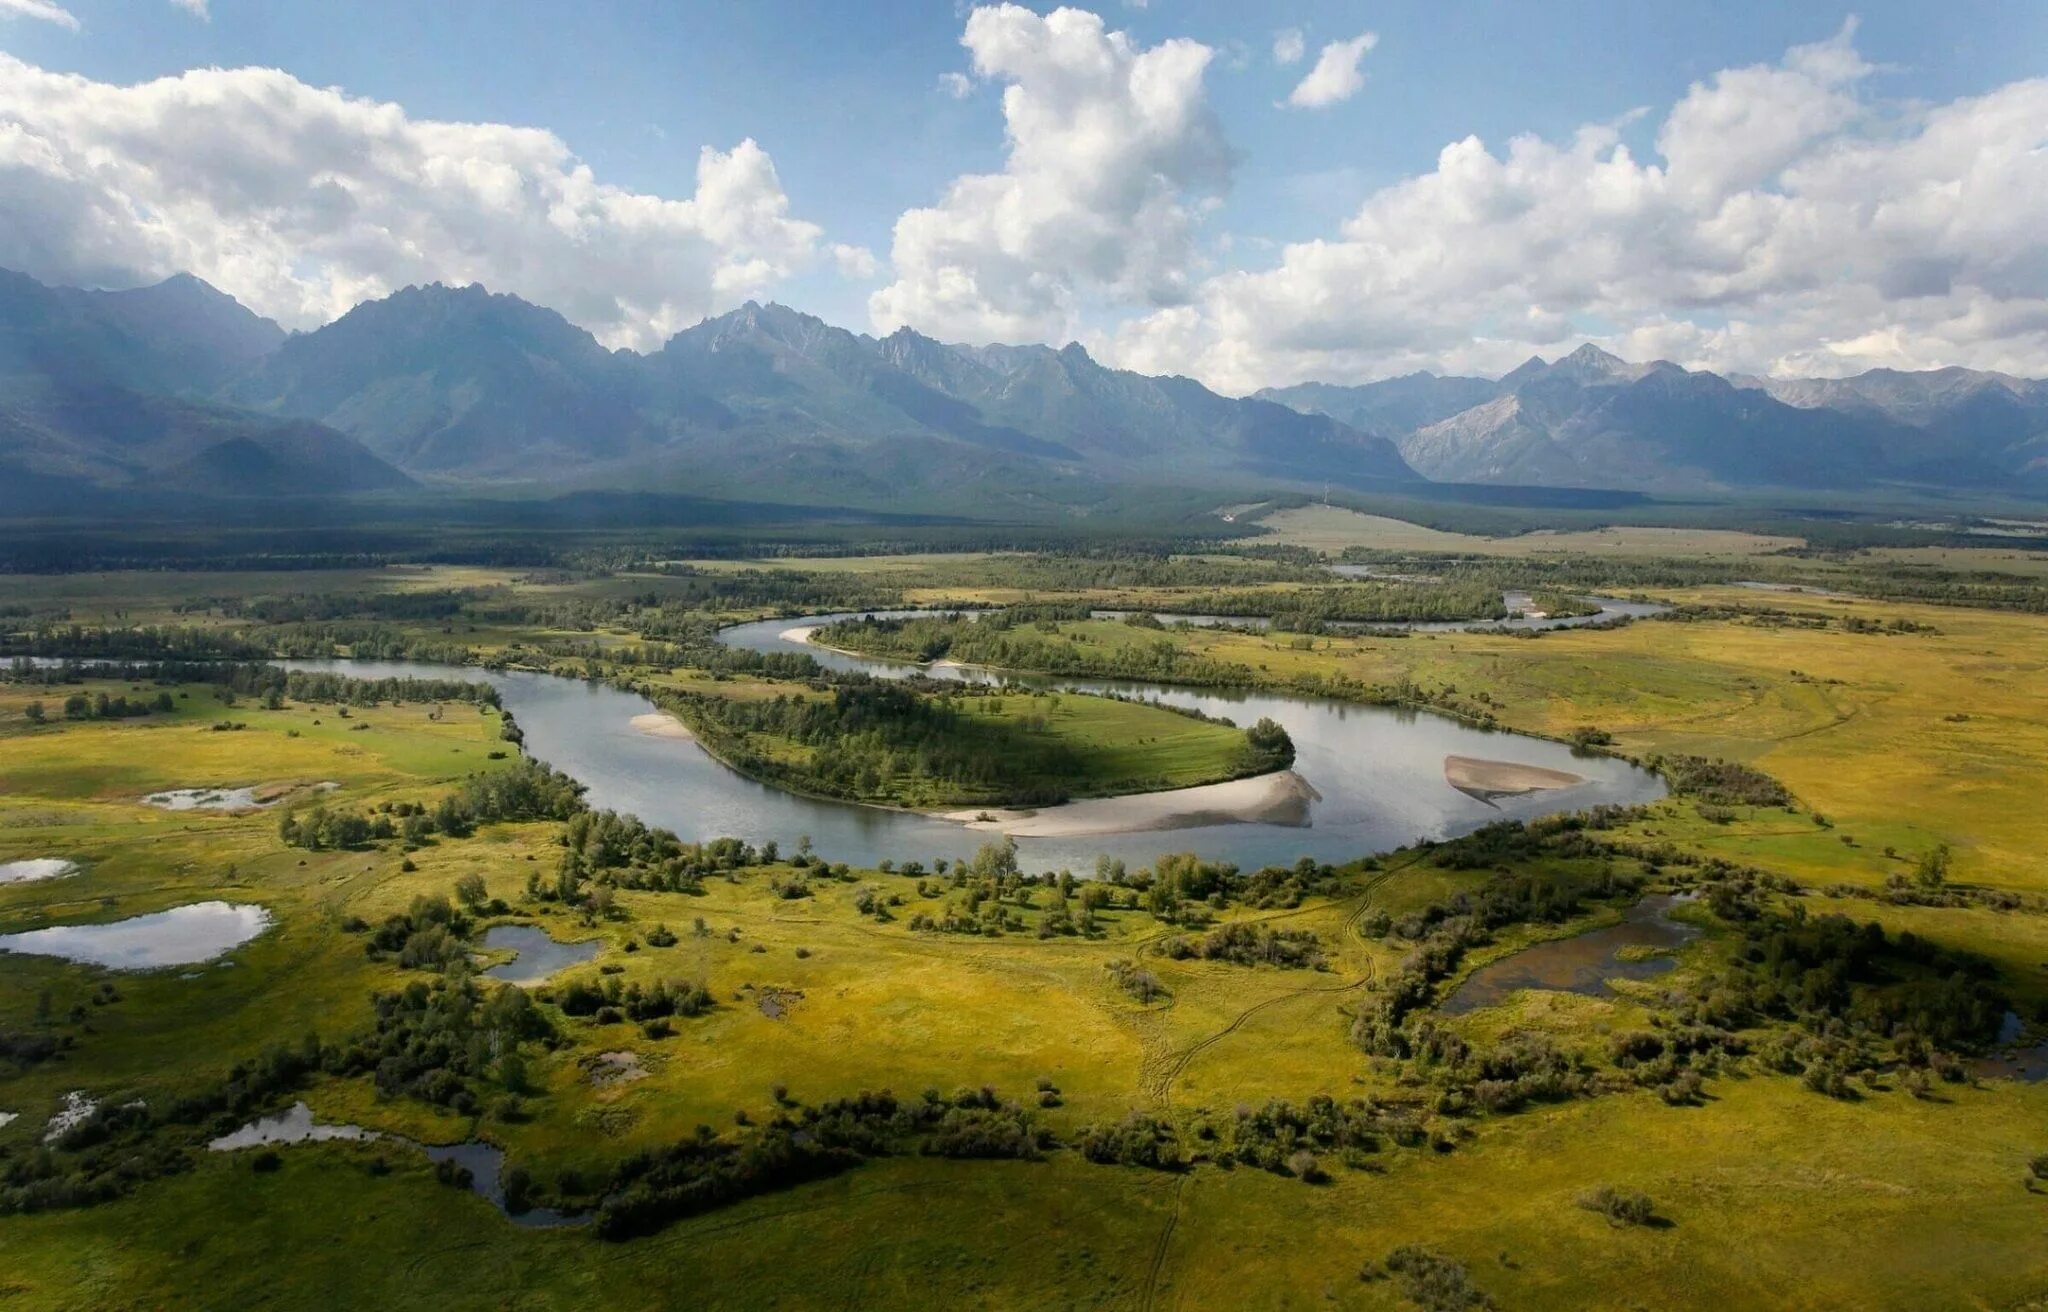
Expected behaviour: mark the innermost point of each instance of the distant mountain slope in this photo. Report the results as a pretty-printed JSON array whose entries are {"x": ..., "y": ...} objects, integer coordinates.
[
  {"x": 200, "y": 334},
  {"x": 179, "y": 384},
  {"x": 108, "y": 437},
  {"x": 179, "y": 337},
  {"x": 1391, "y": 406},
  {"x": 104, "y": 390},
  {"x": 1988, "y": 420},
  {"x": 456, "y": 381},
  {"x": 1591, "y": 419}
]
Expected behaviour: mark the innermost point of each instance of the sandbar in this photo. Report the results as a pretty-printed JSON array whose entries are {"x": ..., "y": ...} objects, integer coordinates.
[
  {"x": 1486, "y": 780},
  {"x": 1279, "y": 798},
  {"x": 660, "y": 724}
]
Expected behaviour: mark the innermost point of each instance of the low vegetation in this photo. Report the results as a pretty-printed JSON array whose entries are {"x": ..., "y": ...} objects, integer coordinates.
[{"x": 773, "y": 1059}]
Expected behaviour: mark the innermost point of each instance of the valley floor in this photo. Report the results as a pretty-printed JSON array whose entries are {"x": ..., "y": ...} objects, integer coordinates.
[{"x": 1900, "y": 729}]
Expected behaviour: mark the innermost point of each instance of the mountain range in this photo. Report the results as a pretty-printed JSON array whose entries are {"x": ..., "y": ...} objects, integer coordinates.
[
  {"x": 177, "y": 388},
  {"x": 1591, "y": 419}
]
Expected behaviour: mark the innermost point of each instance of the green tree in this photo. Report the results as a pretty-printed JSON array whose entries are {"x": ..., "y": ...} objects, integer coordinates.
[{"x": 1932, "y": 871}]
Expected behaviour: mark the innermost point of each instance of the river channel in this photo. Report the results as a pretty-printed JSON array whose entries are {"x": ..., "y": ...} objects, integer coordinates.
[{"x": 1378, "y": 771}]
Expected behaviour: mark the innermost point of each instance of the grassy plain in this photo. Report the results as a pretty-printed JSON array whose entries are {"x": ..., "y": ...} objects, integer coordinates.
[
  {"x": 1774, "y": 1196},
  {"x": 1902, "y": 740}
]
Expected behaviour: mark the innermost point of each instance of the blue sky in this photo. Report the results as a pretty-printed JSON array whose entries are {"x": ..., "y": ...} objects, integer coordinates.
[{"x": 848, "y": 103}]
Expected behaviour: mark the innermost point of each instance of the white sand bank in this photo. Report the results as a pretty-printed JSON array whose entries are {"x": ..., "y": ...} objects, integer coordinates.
[{"x": 1280, "y": 798}]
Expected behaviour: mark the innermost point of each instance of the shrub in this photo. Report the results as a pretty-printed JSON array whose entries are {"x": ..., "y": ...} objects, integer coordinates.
[
  {"x": 1434, "y": 1282},
  {"x": 1621, "y": 1207}
]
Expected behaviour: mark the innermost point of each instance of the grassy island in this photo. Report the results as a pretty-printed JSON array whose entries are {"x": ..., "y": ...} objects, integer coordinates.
[{"x": 938, "y": 745}]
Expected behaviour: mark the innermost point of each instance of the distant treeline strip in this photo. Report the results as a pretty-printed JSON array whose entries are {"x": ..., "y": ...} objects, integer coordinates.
[{"x": 258, "y": 680}]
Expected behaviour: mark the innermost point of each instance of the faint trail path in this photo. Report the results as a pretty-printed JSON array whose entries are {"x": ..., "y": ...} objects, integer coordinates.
[
  {"x": 1159, "y": 1083},
  {"x": 1148, "y": 1292}
]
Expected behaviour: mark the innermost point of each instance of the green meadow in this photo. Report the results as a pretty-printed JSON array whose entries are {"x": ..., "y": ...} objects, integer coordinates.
[{"x": 823, "y": 982}]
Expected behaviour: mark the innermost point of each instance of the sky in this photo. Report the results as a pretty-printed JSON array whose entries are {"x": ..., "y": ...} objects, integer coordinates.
[{"x": 1253, "y": 195}]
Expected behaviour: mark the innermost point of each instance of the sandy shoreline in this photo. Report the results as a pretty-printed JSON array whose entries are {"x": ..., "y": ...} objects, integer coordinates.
[
  {"x": 1486, "y": 780},
  {"x": 660, "y": 724},
  {"x": 1280, "y": 798}
]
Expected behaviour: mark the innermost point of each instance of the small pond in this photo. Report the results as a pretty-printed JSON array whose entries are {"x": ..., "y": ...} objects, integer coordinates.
[
  {"x": 293, "y": 1126},
  {"x": 484, "y": 1162},
  {"x": 536, "y": 955},
  {"x": 36, "y": 868},
  {"x": 1583, "y": 963},
  {"x": 2014, "y": 1059},
  {"x": 181, "y": 936},
  {"x": 255, "y": 797}
]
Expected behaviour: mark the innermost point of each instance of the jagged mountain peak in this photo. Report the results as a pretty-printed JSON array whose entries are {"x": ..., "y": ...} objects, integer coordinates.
[{"x": 1588, "y": 356}]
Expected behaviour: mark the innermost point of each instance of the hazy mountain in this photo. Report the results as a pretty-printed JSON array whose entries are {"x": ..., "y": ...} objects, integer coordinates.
[
  {"x": 1983, "y": 418},
  {"x": 1391, "y": 406},
  {"x": 458, "y": 383},
  {"x": 1591, "y": 419},
  {"x": 1589, "y": 366},
  {"x": 455, "y": 381},
  {"x": 178, "y": 337},
  {"x": 1135, "y": 422},
  {"x": 102, "y": 390},
  {"x": 179, "y": 384},
  {"x": 199, "y": 333},
  {"x": 773, "y": 368}
]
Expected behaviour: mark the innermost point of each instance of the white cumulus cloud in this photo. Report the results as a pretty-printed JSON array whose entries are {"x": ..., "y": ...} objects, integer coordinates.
[
  {"x": 1791, "y": 222},
  {"x": 1111, "y": 148},
  {"x": 1288, "y": 46},
  {"x": 42, "y": 10},
  {"x": 1335, "y": 77},
  {"x": 197, "y": 8},
  {"x": 302, "y": 201},
  {"x": 856, "y": 262}
]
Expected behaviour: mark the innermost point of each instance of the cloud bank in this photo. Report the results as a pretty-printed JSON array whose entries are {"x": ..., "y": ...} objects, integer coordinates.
[
  {"x": 302, "y": 201},
  {"x": 1792, "y": 224},
  {"x": 1784, "y": 217},
  {"x": 1110, "y": 149}
]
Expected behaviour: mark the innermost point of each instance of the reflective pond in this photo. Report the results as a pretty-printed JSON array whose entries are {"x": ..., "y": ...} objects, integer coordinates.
[
  {"x": 1583, "y": 963},
  {"x": 181, "y": 936},
  {"x": 537, "y": 955},
  {"x": 482, "y": 1162},
  {"x": 34, "y": 869}
]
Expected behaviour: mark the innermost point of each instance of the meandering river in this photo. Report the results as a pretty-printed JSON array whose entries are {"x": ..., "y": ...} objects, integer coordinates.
[{"x": 1379, "y": 771}]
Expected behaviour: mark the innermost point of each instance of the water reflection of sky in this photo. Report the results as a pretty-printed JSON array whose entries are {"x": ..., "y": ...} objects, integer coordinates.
[{"x": 1380, "y": 772}]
